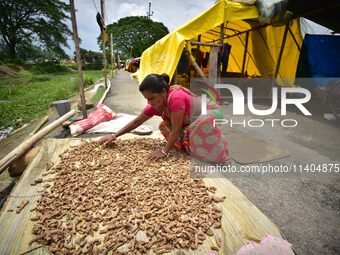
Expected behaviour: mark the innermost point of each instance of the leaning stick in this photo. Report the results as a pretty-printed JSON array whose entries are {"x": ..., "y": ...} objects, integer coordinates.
[{"x": 36, "y": 129}]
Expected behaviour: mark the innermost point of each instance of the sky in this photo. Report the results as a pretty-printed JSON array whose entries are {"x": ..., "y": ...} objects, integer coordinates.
[{"x": 172, "y": 13}]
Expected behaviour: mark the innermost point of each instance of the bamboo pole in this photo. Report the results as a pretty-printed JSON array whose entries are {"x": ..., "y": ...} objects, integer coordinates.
[
  {"x": 118, "y": 59},
  {"x": 112, "y": 61},
  {"x": 297, "y": 44},
  {"x": 205, "y": 44},
  {"x": 36, "y": 129},
  {"x": 27, "y": 144},
  {"x": 193, "y": 61},
  {"x": 174, "y": 77},
  {"x": 78, "y": 57},
  {"x": 245, "y": 53},
  {"x": 198, "y": 46},
  {"x": 219, "y": 63},
  {"x": 277, "y": 69},
  {"x": 103, "y": 34},
  {"x": 240, "y": 33}
]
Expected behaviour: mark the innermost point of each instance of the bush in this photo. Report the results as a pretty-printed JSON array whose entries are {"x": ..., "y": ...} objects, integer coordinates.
[
  {"x": 88, "y": 81},
  {"x": 93, "y": 66},
  {"x": 73, "y": 66},
  {"x": 62, "y": 93},
  {"x": 49, "y": 67}
]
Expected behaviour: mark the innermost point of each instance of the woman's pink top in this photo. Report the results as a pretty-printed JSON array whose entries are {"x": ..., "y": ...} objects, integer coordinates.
[{"x": 177, "y": 100}]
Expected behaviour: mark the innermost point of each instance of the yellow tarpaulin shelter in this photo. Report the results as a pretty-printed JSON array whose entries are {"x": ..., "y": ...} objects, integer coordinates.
[{"x": 240, "y": 21}]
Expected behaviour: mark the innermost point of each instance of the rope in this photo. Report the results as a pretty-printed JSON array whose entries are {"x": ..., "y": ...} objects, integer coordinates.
[
  {"x": 95, "y": 6},
  {"x": 15, "y": 196},
  {"x": 35, "y": 248}
]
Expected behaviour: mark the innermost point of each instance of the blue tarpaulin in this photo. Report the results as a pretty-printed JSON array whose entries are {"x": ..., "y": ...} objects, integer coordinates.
[{"x": 319, "y": 57}]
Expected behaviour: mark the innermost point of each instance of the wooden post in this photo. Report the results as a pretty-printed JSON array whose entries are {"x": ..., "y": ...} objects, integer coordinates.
[
  {"x": 213, "y": 59},
  {"x": 193, "y": 61},
  {"x": 174, "y": 78},
  {"x": 112, "y": 61},
  {"x": 220, "y": 50},
  {"x": 205, "y": 44},
  {"x": 245, "y": 53},
  {"x": 78, "y": 57},
  {"x": 103, "y": 33},
  {"x": 118, "y": 59},
  {"x": 198, "y": 46}
]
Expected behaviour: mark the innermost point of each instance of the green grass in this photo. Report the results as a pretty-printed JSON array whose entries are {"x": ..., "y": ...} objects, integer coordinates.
[
  {"x": 28, "y": 95},
  {"x": 99, "y": 93}
]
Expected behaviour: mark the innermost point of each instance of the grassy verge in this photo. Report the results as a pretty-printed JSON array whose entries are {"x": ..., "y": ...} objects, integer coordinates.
[
  {"x": 99, "y": 93},
  {"x": 28, "y": 95}
]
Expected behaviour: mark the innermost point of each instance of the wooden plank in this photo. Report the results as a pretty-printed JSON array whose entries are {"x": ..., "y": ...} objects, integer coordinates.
[
  {"x": 205, "y": 44},
  {"x": 213, "y": 59}
]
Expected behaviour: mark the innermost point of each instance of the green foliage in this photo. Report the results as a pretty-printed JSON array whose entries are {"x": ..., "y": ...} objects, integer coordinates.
[
  {"x": 91, "y": 57},
  {"x": 48, "y": 67},
  {"x": 63, "y": 93},
  {"x": 88, "y": 81},
  {"x": 22, "y": 22},
  {"x": 94, "y": 66},
  {"x": 91, "y": 60},
  {"x": 28, "y": 96},
  {"x": 133, "y": 35},
  {"x": 72, "y": 66}
]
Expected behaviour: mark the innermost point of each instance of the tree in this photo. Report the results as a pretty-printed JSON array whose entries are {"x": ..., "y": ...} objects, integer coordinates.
[
  {"x": 91, "y": 57},
  {"x": 133, "y": 35},
  {"x": 36, "y": 22}
]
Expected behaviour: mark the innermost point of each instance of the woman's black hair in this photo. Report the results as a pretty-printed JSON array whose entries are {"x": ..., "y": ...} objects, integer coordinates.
[{"x": 155, "y": 83}]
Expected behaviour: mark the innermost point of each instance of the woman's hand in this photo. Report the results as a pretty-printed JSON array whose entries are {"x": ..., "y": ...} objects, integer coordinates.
[
  {"x": 106, "y": 139},
  {"x": 156, "y": 155}
]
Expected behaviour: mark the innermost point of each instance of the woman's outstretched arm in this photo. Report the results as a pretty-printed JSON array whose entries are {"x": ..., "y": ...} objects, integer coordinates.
[{"x": 139, "y": 120}]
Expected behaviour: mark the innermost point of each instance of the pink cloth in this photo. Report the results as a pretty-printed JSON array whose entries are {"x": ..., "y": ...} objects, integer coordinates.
[
  {"x": 177, "y": 100},
  {"x": 269, "y": 245}
]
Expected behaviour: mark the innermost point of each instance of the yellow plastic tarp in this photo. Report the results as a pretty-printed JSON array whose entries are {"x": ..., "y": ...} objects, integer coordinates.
[{"x": 263, "y": 45}]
